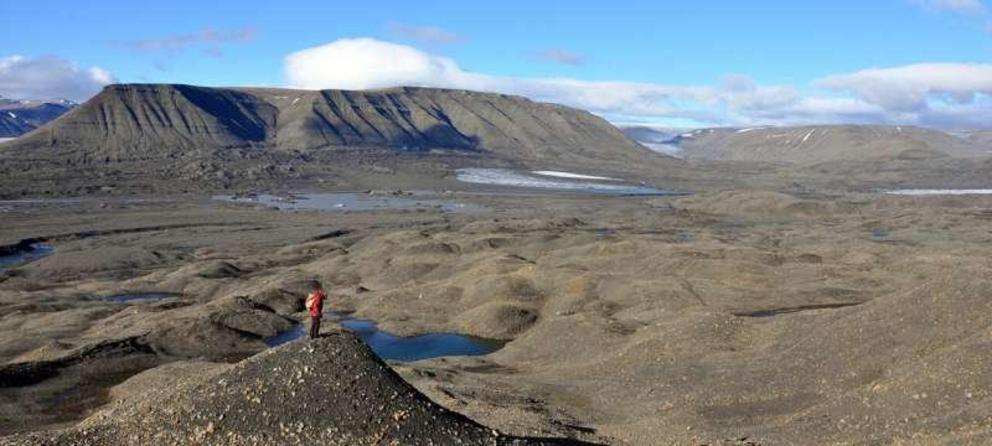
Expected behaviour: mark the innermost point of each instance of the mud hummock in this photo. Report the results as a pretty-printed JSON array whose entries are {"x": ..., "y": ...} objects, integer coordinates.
[{"x": 329, "y": 391}]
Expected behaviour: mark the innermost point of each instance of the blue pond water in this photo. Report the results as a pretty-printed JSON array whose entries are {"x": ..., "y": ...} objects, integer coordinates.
[
  {"x": 36, "y": 251},
  {"x": 298, "y": 331},
  {"x": 402, "y": 348},
  {"x": 138, "y": 297}
]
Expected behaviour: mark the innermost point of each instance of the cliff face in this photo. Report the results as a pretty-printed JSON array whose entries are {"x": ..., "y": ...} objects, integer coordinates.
[
  {"x": 152, "y": 121},
  {"x": 147, "y": 121}
]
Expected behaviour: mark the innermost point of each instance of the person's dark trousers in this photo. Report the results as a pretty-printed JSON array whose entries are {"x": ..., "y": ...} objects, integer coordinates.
[{"x": 314, "y": 327}]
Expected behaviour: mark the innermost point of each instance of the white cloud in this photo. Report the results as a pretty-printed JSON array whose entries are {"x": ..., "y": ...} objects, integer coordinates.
[
  {"x": 926, "y": 94},
  {"x": 49, "y": 77},
  {"x": 975, "y": 7}
]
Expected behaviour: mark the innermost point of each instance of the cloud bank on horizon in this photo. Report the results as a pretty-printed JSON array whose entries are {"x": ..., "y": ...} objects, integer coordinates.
[
  {"x": 946, "y": 95},
  {"x": 49, "y": 77},
  {"x": 929, "y": 94}
]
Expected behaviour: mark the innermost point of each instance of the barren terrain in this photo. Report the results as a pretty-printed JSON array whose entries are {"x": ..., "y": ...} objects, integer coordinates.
[{"x": 746, "y": 315}]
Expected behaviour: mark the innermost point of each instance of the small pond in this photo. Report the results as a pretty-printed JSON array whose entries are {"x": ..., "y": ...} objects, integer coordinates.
[
  {"x": 23, "y": 253},
  {"x": 401, "y": 348},
  {"x": 351, "y": 201}
]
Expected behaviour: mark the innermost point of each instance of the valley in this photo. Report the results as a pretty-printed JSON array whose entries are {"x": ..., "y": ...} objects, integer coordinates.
[{"x": 814, "y": 285}]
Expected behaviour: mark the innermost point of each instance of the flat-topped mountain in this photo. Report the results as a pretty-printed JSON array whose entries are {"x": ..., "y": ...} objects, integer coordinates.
[
  {"x": 186, "y": 138},
  {"x": 156, "y": 121},
  {"x": 816, "y": 144}
]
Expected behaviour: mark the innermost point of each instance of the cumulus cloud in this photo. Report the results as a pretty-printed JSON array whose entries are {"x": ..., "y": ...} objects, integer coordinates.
[
  {"x": 425, "y": 34},
  {"x": 209, "y": 37},
  {"x": 561, "y": 57},
  {"x": 929, "y": 94},
  {"x": 975, "y": 7},
  {"x": 49, "y": 77}
]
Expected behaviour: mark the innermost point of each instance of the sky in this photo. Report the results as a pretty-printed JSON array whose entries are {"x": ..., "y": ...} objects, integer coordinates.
[{"x": 667, "y": 63}]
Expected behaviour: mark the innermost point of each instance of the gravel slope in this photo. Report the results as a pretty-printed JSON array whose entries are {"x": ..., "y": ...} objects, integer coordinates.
[{"x": 332, "y": 391}]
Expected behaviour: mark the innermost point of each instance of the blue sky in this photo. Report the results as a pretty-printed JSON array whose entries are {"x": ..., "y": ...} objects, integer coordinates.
[{"x": 690, "y": 50}]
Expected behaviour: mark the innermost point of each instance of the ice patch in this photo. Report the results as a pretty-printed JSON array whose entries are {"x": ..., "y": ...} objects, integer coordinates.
[
  {"x": 665, "y": 149},
  {"x": 503, "y": 177},
  {"x": 574, "y": 176},
  {"x": 924, "y": 192}
]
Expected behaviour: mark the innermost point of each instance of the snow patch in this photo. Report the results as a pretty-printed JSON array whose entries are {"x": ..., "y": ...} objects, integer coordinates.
[
  {"x": 503, "y": 177},
  {"x": 664, "y": 149},
  {"x": 574, "y": 176},
  {"x": 12, "y": 115},
  {"x": 806, "y": 138},
  {"x": 924, "y": 192}
]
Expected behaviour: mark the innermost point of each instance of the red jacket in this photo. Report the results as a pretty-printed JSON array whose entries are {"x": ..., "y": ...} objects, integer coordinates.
[{"x": 317, "y": 308}]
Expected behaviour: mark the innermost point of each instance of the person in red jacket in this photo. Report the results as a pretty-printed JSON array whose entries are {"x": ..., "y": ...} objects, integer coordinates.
[{"x": 315, "y": 305}]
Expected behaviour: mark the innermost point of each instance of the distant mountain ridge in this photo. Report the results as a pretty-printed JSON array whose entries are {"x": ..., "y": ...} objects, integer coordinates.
[
  {"x": 819, "y": 143},
  {"x": 18, "y": 117}
]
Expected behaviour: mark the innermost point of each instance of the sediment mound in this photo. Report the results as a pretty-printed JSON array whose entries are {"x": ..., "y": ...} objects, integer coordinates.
[
  {"x": 752, "y": 203},
  {"x": 332, "y": 391}
]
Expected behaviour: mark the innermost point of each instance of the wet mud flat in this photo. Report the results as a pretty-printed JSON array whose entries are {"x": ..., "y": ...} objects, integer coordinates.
[
  {"x": 382, "y": 201},
  {"x": 694, "y": 319}
]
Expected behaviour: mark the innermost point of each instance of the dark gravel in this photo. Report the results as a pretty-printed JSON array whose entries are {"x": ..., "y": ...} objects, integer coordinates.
[{"x": 330, "y": 391}]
